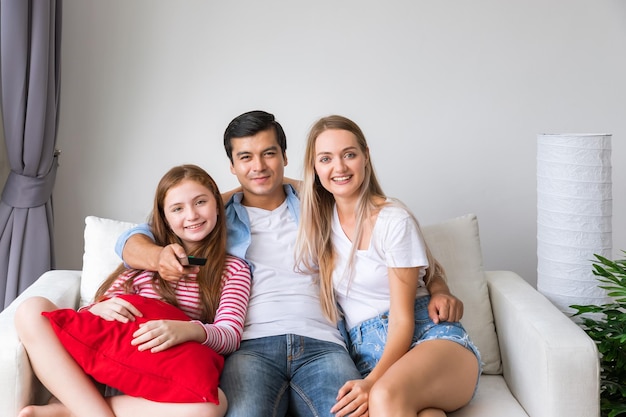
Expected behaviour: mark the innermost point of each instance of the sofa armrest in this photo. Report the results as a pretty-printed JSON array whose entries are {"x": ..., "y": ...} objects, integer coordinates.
[
  {"x": 19, "y": 385},
  {"x": 549, "y": 363}
]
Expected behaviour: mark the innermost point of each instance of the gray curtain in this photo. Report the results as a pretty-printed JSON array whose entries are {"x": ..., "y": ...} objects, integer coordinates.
[{"x": 30, "y": 40}]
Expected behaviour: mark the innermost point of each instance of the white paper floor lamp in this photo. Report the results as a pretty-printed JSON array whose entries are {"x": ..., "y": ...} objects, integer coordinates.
[{"x": 574, "y": 216}]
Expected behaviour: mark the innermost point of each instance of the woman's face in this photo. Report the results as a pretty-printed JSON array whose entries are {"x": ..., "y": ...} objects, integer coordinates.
[
  {"x": 190, "y": 211},
  {"x": 340, "y": 163}
]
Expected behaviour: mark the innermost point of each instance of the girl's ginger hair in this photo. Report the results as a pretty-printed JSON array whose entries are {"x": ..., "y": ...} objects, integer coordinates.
[
  {"x": 314, "y": 248},
  {"x": 212, "y": 247}
]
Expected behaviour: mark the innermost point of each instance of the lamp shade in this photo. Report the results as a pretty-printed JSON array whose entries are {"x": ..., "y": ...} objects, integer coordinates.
[{"x": 574, "y": 216}]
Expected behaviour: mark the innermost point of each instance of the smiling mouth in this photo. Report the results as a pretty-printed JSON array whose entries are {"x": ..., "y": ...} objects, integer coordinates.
[
  {"x": 342, "y": 179},
  {"x": 195, "y": 226}
]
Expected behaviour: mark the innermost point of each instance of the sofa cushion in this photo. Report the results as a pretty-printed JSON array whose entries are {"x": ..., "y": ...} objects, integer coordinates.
[
  {"x": 99, "y": 259},
  {"x": 185, "y": 373},
  {"x": 455, "y": 244}
]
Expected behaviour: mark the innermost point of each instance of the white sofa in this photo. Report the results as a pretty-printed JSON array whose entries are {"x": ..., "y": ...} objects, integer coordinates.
[{"x": 537, "y": 362}]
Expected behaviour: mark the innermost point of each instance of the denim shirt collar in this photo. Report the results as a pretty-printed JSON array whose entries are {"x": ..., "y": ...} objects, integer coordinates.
[{"x": 238, "y": 222}]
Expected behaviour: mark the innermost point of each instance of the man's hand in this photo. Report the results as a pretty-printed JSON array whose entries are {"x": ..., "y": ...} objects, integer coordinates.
[
  {"x": 140, "y": 252},
  {"x": 226, "y": 196},
  {"x": 169, "y": 266},
  {"x": 115, "y": 309}
]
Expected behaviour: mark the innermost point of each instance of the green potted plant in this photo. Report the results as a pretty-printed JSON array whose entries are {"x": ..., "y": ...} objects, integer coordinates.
[{"x": 606, "y": 325}]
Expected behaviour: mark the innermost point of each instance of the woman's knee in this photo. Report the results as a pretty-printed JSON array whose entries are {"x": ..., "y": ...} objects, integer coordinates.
[{"x": 384, "y": 393}]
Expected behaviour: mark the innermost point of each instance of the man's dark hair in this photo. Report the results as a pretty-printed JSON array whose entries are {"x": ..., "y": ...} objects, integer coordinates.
[{"x": 249, "y": 124}]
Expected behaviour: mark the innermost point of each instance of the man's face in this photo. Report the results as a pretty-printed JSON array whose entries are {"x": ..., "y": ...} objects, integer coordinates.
[{"x": 259, "y": 165}]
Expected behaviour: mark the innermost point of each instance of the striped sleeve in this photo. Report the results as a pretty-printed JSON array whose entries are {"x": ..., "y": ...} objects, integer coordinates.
[
  {"x": 224, "y": 334},
  {"x": 142, "y": 284}
]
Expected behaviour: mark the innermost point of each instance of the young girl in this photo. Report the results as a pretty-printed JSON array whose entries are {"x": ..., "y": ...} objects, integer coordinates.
[
  {"x": 374, "y": 264},
  {"x": 188, "y": 211}
]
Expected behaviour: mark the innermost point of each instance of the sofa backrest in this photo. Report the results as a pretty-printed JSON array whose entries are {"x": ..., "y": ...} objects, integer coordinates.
[
  {"x": 99, "y": 258},
  {"x": 455, "y": 243}
]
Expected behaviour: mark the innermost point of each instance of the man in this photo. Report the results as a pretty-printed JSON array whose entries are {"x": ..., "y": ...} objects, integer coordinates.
[{"x": 291, "y": 359}]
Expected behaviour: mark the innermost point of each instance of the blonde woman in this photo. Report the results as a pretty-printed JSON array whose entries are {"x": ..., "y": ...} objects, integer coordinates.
[{"x": 375, "y": 268}]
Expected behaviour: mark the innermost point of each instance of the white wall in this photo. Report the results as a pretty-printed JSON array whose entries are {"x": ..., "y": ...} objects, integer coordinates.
[{"x": 451, "y": 96}]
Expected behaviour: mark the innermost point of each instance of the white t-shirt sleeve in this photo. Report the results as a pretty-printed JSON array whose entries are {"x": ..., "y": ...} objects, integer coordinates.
[{"x": 401, "y": 239}]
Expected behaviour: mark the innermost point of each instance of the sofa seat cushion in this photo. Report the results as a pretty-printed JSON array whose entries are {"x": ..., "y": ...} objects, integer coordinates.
[{"x": 492, "y": 399}]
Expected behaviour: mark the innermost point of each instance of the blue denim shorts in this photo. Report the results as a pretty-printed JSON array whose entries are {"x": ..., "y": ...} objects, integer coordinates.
[{"x": 366, "y": 341}]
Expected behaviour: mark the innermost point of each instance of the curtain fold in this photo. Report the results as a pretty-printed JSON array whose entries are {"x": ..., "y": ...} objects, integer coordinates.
[{"x": 30, "y": 41}]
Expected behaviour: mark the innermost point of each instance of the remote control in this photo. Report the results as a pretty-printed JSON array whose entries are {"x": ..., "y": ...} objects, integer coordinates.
[{"x": 192, "y": 260}]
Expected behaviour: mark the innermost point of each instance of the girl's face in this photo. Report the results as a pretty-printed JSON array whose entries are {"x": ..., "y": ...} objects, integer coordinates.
[
  {"x": 340, "y": 163},
  {"x": 190, "y": 211}
]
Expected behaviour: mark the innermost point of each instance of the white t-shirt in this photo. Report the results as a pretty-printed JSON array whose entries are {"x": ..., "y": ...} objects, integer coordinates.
[
  {"x": 282, "y": 300},
  {"x": 396, "y": 242}
]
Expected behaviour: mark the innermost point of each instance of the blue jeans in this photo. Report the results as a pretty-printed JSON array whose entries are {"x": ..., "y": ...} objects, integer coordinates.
[{"x": 285, "y": 375}]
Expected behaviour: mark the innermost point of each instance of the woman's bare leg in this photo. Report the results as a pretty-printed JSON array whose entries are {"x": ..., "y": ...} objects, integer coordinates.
[
  {"x": 431, "y": 412},
  {"x": 54, "y": 367},
  {"x": 433, "y": 377}
]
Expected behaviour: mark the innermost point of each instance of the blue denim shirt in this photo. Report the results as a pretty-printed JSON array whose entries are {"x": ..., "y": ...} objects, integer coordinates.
[{"x": 237, "y": 224}]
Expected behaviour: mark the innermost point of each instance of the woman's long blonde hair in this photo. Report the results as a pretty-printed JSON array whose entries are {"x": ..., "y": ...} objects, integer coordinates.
[
  {"x": 314, "y": 248},
  {"x": 212, "y": 247}
]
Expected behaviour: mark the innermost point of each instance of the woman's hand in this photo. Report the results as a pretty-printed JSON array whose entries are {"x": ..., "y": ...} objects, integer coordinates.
[
  {"x": 158, "y": 335},
  {"x": 445, "y": 307},
  {"x": 352, "y": 399},
  {"x": 115, "y": 309}
]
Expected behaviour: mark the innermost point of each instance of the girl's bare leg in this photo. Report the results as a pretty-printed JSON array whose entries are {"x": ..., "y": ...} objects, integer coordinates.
[
  {"x": 126, "y": 406},
  {"x": 76, "y": 393},
  {"x": 53, "y": 409},
  {"x": 54, "y": 367},
  {"x": 434, "y": 377}
]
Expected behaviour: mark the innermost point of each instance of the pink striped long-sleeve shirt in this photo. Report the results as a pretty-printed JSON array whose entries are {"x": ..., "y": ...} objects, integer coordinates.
[{"x": 224, "y": 334}]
